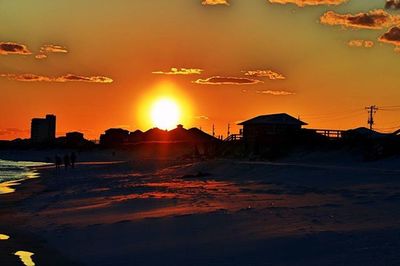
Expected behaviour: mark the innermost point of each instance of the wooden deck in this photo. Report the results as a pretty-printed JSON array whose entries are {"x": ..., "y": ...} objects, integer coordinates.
[{"x": 329, "y": 133}]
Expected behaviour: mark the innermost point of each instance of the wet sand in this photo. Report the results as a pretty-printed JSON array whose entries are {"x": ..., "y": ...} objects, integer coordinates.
[{"x": 218, "y": 212}]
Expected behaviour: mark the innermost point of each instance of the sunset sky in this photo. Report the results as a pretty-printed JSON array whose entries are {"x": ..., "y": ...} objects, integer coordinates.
[{"x": 98, "y": 64}]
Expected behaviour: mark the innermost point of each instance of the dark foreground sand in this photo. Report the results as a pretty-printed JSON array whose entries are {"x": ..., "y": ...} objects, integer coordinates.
[{"x": 218, "y": 212}]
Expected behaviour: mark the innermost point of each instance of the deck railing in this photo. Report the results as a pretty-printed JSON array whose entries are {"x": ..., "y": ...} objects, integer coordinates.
[
  {"x": 330, "y": 133},
  {"x": 234, "y": 137}
]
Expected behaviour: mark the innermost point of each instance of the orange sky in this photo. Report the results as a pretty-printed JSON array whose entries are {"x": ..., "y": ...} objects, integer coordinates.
[{"x": 98, "y": 64}]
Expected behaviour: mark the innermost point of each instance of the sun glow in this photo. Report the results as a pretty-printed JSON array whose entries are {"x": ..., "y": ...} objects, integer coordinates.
[
  {"x": 165, "y": 113},
  {"x": 164, "y": 105}
]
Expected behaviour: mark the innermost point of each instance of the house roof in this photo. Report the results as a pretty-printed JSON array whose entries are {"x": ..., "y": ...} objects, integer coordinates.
[
  {"x": 274, "y": 119},
  {"x": 366, "y": 132}
]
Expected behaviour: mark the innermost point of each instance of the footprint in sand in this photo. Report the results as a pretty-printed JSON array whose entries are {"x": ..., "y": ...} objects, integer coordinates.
[
  {"x": 25, "y": 257},
  {"x": 4, "y": 237}
]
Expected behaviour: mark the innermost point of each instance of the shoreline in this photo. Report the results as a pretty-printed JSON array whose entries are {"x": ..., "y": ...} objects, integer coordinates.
[
  {"x": 21, "y": 239},
  {"x": 13, "y": 225}
]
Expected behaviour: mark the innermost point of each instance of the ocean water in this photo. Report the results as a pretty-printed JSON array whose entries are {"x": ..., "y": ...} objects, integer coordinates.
[{"x": 12, "y": 171}]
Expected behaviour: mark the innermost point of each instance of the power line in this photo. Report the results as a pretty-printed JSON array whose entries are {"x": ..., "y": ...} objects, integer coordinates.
[
  {"x": 332, "y": 114},
  {"x": 341, "y": 116},
  {"x": 390, "y": 110},
  {"x": 389, "y": 128},
  {"x": 393, "y": 106}
]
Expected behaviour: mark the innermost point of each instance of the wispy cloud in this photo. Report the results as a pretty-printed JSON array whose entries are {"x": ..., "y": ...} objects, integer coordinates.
[
  {"x": 40, "y": 56},
  {"x": 53, "y": 48},
  {"x": 217, "y": 80},
  {"x": 9, "y": 48},
  {"x": 13, "y": 131},
  {"x": 392, "y": 36},
  {"x": 180, "y": 71},
  {"x": 95, "y": 79},
  {"x": 215, "y": 2},
  {"x": 47, "y": 49},
  {"x": 264, "y": 73},
  {"x": 276, "y": 92},
  {"x": 303, "y": 3},
  {"x": 374, "y": 19},
  {"x": 65, "y": 78},
  {"x": 361, "y": 43}
]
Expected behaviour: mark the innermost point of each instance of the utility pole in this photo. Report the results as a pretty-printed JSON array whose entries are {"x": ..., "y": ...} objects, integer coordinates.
[
  {"x": 229, "y": 130},
  {"x": 371, "y": 111},
  {"x": 213, "y": 130}
]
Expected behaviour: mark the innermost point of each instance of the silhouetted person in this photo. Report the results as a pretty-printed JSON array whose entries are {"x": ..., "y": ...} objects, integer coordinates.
[
  {"x": 66, "y": 161},
  {"x": 73, "y": 159},
  {"x": 58, "y": 162}
]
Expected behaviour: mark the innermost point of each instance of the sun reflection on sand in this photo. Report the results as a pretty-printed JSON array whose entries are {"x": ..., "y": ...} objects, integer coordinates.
[
  {"x": 25, "y": 257},
  {"x": 4, "y": 237}
]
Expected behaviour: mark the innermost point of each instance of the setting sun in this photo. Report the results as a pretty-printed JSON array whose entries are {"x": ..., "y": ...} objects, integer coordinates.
[{"x": 165, "y": 113}]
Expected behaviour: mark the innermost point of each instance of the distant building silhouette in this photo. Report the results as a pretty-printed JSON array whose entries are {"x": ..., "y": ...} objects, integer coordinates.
[
  {"x": 43, "y": 129},
  {"x": 117, "y": 137},
  {"x": 266, "y": 126},
  {"x": 75, "y": 138},
  {"x": 114, "y": 136}
]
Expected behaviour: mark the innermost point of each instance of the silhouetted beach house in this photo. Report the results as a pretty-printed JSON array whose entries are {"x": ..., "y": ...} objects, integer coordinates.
[
  {"x": 264, "y": 127},
  {"x": 43, "y": 129}
]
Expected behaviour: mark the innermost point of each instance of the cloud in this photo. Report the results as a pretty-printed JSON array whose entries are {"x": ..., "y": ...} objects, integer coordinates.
[
  {"x": 180, "y": 71},
  {"x": 392, "y": 4},
  {"x": 7, "y": 48},
  {"x": 25, "y": 77},
  {"x": 392, "y": 36},
  {"x": 47, "y": 49},
  {"x": 217, "y": 80},
  {"x": 52, "y": 48},
  {"x": 264, "y": 73},
  {"x": 94, "y": 79},
  {"x": 374, "y": 19},
  {"x": 361, "y": 43},
  {"x": 65, "y": 78},
  {"x": 40, "y": 56},
  {"x": 302, "y": 3},
  {"x": 215, "y": 2},
  {"x": 276, "y": 93}
]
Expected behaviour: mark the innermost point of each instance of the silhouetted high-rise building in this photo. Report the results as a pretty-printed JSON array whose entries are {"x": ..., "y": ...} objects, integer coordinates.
[{"x": 43, "y": 129}]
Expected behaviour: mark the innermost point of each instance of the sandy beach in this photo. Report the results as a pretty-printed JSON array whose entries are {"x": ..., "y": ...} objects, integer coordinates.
[{"x": 314, "y": 211}]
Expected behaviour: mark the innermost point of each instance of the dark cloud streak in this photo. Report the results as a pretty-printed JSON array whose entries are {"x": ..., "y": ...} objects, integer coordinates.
[
  {"x": 217, "y": 80},
  {"x": 62, "y": 79},
  {"x": 11, "y": 48}
]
